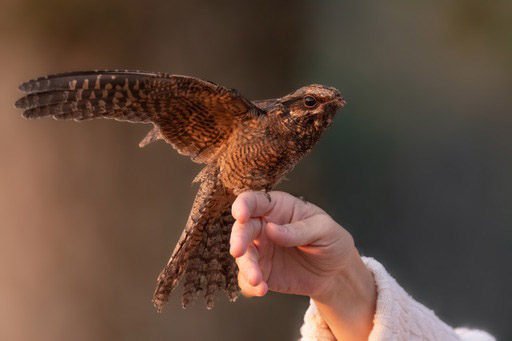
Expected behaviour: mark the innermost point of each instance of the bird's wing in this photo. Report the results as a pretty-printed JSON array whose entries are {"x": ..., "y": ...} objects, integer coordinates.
[{"x": 193, "y": 115}]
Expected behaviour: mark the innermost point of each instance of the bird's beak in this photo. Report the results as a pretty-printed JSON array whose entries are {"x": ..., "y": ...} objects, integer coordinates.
[{"x": 340, "y": 101}]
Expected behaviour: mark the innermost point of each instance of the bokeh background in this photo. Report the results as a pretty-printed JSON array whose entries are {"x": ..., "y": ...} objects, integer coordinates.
[{"x": 417, "y": 166}]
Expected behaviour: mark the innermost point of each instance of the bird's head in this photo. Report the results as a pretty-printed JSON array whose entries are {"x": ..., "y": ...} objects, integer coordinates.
[{"x": 315, "y": 103}]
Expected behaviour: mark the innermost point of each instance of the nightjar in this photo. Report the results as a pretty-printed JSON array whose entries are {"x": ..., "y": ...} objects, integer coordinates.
[{"x": 245, "y": 145}]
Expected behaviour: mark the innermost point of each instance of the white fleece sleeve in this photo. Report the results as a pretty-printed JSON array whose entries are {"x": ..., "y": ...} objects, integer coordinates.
[{"x": 397, "y": 317}]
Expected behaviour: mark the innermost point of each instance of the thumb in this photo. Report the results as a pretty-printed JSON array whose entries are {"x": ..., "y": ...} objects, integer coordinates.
[{"x": 302, "y": 232}]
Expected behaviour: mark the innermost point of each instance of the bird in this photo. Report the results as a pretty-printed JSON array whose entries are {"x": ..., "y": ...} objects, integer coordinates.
[{"x": 244, "y": 146}]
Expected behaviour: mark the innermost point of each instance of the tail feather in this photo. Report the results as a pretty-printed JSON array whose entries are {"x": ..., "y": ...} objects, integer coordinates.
[
  {"x": 206, "y": 266},
  {"x": 210, "y": 267},
  {"x": 215, "y": 277},
  {"x": 229, "y": 267},
  {"x": 170, "y": 276},
  {"x": 202, "y": 253},
  {"x": 194, "y": 276}
]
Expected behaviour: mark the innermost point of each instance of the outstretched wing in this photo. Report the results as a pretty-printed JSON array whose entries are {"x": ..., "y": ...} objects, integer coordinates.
[{"x": 193, "y": 115}]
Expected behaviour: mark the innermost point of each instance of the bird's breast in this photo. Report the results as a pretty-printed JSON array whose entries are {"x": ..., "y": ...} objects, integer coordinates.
[
  {"x": 255, "y": 161},
  {"x": 257, "y": 156}
]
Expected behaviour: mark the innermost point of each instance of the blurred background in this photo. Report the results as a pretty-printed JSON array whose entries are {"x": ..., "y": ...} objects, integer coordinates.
[{"x": 417, "y": 166}]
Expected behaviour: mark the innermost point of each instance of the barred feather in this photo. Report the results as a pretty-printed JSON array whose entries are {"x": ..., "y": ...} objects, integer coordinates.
[
  {"x": 192, "y": 115},
  {"x": 86, "y": 79},
  {"x": 201, "y": 256},
  {"x": 80, "y": 96}
]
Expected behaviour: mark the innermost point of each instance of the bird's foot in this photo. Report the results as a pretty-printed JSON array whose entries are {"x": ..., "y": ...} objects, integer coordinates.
[{"x": 267, "y": 195}]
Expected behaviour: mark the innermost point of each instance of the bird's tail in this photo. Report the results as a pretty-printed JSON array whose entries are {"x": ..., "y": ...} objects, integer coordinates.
[{"x": 202, "y": 255}]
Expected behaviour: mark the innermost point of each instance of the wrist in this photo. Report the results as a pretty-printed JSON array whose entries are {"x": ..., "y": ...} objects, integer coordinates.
[
  {"x": 352, "y": 281},
  {"x": 348, "y": 302}
]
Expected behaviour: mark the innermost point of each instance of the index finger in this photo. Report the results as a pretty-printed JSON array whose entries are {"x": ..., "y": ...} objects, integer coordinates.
[
  {"x": 282, "y": 208},
  {"x": 252, "y": 204}
]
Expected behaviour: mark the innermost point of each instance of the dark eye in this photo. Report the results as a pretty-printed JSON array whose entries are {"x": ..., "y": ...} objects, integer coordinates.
[{"x": 309, "y": 101}]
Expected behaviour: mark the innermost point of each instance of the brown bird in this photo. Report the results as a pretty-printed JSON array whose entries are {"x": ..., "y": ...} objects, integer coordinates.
[{"x": 245, "y": 146}]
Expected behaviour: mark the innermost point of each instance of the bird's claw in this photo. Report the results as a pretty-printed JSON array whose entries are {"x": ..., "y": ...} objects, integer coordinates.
[{"x": 267, "y": 195}]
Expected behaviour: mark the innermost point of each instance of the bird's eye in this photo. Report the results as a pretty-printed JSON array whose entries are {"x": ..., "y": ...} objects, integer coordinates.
[{"x": 309, "y": 101}]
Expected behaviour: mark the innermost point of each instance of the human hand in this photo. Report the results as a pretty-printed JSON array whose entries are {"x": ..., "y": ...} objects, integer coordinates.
[
  {"x": 286, "y": 245},
  {"x": 293, "y": 247}
]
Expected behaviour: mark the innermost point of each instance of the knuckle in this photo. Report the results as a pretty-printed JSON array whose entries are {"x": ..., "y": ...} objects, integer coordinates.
[
  {"x": 256, "y": 228},
  {"x": 236, "y": 228},
  {"x": 300, "y": 230}
]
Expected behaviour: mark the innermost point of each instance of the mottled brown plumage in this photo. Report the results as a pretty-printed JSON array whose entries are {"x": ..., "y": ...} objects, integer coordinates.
[{"x": 245, "y": 146}]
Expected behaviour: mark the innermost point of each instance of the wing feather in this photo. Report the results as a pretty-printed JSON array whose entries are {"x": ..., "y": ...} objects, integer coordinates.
[{"x": 193, "y": 115}]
